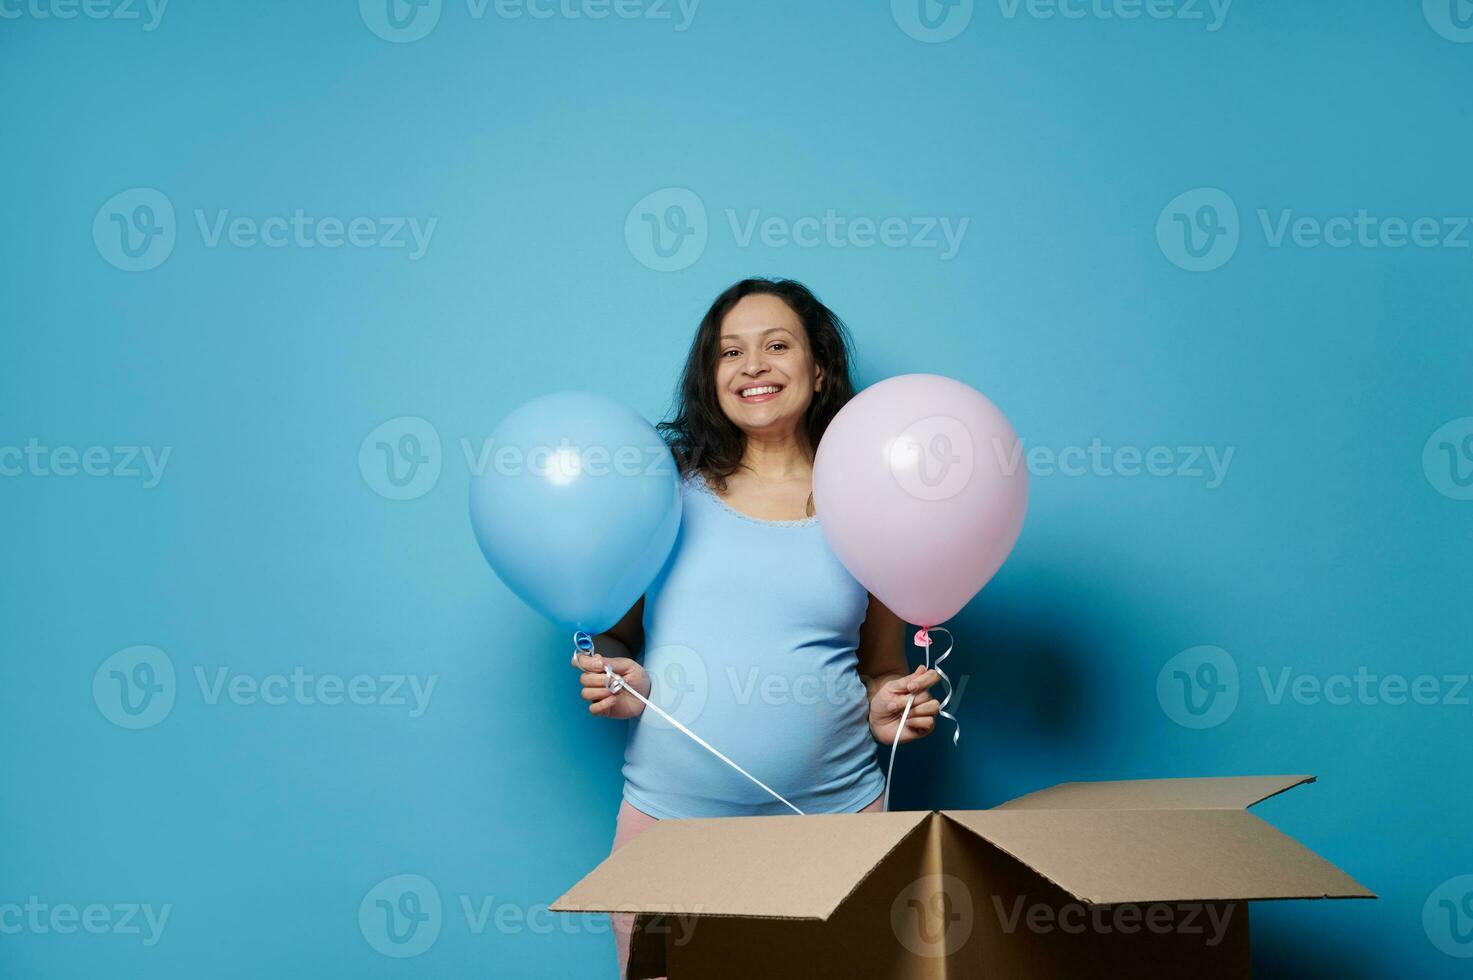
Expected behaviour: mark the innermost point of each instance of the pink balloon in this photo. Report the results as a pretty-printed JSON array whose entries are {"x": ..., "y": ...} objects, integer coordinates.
[{"x": 920, "y": 487}]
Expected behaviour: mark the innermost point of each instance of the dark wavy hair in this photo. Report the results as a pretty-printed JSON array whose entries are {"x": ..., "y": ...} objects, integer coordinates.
[{"x": 700, "y": 435}]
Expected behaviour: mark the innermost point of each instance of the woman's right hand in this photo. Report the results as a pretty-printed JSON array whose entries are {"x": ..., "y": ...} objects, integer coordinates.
[{"x": 601, "y": 700}]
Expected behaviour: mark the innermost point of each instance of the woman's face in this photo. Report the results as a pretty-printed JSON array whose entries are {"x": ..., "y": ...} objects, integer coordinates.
[{"x": 764, "y": 347}]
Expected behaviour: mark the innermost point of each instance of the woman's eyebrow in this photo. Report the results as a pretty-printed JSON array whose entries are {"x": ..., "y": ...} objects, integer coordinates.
[{"x": 732, "y": 336}]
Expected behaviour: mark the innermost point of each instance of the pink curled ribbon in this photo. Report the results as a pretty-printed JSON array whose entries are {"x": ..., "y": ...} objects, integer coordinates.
[{"x": 923, "y": 640}]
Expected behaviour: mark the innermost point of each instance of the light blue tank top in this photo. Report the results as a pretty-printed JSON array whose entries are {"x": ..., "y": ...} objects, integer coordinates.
[{"x": 751, "y": 633}]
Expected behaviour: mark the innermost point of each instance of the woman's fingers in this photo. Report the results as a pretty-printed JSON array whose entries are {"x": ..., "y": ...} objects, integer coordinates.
[
  {"x": 897, "y": 689},
  {"x": 902, "y": 683},
  {"x": 920, "y": 724},
  {"x": 922, "y": 705},
  {"x": 901, "y": 689},
  {"x": 919, "y": 681},
  {"x": 595, "y": 680},
  {"x": 927, "y": 708},
  {"x": 596, "y": 663},
  {"x": 915, "y": 682},
  {"x": 605, "y": 705}
]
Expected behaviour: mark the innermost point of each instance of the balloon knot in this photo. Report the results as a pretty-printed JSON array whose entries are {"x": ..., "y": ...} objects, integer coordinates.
[{"x": 923, "y": 637}]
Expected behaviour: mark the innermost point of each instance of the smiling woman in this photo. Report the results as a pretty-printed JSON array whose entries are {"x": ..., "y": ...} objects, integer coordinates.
[
  {"x": 759, "y": 335},
  {"x": 752, "y": 608}
]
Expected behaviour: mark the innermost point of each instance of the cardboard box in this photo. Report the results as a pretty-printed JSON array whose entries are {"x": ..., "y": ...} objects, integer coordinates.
[{"x": 1138, "y": 878}]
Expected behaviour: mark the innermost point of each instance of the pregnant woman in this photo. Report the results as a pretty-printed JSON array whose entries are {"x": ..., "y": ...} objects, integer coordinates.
[{"x": 753, "y": 634}]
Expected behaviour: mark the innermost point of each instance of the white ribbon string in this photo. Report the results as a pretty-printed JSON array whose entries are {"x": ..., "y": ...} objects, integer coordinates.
[
  {"x": 923, "y": 639},
  {"x": 616, "y": 684}
]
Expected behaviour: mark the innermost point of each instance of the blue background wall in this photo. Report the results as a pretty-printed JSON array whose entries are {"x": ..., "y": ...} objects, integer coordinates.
[{"x": 1336, "y": 540}]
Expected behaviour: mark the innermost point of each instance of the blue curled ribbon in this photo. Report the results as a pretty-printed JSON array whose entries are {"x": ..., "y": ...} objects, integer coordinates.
[{"x": 583, "y": 643}]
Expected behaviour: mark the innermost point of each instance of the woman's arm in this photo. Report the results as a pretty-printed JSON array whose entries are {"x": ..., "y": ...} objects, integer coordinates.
[
  {"x": 889, "y": 681},
  {"x": 881, "y": 647},
  {"x": 626, "y": 637}
]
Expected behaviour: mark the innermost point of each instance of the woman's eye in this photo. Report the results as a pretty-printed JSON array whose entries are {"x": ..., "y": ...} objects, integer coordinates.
[
  {"x": 779, "y": 344},
  {"x": 732, "y": 351}
]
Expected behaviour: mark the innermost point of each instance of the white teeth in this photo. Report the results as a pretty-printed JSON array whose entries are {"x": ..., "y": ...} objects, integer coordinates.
[{"x": 766, "y": 389}]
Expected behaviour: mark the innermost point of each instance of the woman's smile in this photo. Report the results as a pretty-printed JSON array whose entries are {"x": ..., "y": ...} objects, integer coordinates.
[{"x": 751, "y": 394}]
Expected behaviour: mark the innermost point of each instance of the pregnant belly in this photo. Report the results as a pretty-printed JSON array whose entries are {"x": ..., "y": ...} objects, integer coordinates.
[{"x": 803, "y": 732}]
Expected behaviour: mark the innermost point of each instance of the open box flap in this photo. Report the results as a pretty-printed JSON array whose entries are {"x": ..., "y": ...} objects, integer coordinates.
[
  {"x": 1111, "y": 856},
  {"x": 787, "y": 867},
  {"x": 1214, "y": 793}
]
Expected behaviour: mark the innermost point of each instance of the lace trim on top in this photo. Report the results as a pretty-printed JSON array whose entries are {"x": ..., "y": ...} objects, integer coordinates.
[{"x": 698, "y": 480}]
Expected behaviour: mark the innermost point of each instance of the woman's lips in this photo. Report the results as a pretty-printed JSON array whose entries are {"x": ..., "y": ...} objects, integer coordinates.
[{"x": 768, "y": 396}]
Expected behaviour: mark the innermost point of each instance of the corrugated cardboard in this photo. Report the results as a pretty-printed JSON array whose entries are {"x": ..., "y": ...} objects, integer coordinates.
[{"x": 1138, "y": 877}]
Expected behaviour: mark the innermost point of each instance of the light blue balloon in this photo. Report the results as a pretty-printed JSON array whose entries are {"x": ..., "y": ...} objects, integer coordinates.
[{"x": 577, "y": 508}]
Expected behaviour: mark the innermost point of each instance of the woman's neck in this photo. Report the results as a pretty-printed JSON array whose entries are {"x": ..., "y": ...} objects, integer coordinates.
[{"x": 778, "y": 459}]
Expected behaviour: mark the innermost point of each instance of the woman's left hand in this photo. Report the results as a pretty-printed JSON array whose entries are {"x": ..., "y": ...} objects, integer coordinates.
[{"x": 888, "y": 703}]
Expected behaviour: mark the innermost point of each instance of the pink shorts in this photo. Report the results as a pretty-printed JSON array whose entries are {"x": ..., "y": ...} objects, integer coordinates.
[{"x": 630, "y": 824}]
